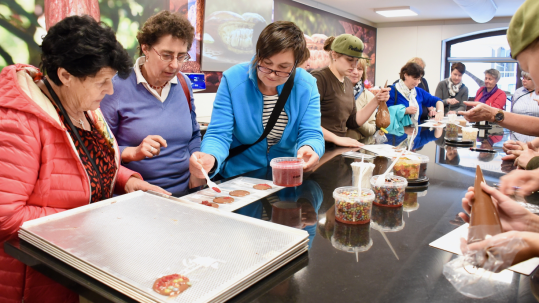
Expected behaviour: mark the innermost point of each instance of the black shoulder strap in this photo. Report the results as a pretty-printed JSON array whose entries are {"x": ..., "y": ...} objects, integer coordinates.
[
  {"x": 281, "y": 101},
  {"x": 396, "y": 92},
  {"x": 75, "y": 132},
  {"x": 515, "y": 101}
]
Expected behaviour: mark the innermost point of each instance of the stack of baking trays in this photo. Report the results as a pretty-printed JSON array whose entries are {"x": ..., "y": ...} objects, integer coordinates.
[{"x": 158, "y": 249}]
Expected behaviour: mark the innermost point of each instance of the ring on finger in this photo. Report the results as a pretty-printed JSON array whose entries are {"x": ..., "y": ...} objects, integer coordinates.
[{"x": 152, "y": 149}]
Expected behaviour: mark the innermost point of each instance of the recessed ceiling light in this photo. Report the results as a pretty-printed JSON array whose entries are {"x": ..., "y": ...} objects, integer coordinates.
[{"x": 401, "y": 11}]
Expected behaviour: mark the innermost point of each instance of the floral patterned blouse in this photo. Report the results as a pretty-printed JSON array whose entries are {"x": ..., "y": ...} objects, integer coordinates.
[{"x": 102, "y": 154}]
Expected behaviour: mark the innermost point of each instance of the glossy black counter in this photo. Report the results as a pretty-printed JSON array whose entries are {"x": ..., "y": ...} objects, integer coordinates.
[{"x": 412, "y": 273}]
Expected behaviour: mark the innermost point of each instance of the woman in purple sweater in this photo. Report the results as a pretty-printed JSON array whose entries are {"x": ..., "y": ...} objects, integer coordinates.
[{"x": 149, "y": 112}]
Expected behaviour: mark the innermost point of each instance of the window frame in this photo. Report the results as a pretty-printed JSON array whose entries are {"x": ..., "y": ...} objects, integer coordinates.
[{"x": 450, "y": 42}]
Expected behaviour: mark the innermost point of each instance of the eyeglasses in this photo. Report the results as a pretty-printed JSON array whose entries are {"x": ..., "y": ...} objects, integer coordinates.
[
  {"x": 268, "y": 71},
  {"x": 168, "y": 58},
  {"x": 524, "y": 78}
]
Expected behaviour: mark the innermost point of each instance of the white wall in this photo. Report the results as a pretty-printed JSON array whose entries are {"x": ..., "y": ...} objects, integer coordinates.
[
  {"x": 396, "y": 44},
  {"x": 204, "y": 106}
]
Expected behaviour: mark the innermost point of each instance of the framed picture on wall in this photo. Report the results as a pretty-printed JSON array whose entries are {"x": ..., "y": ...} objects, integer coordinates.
[
  {"x": 231, "y": 30},
  {"x": 318, "y": 25}
]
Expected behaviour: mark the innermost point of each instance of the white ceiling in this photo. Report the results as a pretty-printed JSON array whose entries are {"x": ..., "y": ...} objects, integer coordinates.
[{"x": 428, "y": 9}]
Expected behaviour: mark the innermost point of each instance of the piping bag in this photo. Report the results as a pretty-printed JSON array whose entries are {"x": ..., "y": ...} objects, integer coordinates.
[
  {"x": 477, "y": 273},
  {"x": 484, "y": 217}
]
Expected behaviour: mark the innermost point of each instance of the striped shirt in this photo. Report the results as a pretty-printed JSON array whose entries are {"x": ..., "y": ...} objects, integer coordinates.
[
  {"x": 277, "y": 132},
  {"x": 523, "y": 103}
]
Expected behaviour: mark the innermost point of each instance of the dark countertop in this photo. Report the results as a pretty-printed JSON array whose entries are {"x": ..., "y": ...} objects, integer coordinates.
[{"x": 328, "y": 274}]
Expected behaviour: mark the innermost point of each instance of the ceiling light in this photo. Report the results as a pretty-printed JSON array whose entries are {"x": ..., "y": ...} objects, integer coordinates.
[
  {"x": 480, "y": 11},
  {"x": 401, "y": 11}
]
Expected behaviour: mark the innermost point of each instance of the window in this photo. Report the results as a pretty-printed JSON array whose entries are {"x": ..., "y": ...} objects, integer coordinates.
[{"x": 480, "y": 52}]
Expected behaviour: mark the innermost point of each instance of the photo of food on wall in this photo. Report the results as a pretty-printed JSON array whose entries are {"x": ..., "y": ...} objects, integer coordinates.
[
  {"x": 231, "y": 30},
  {"x": 318, "y": 25}
]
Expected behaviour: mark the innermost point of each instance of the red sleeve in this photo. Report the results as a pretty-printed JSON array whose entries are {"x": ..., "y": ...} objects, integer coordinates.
[
  {"x": 20, "y": 160},
  {"x": 124, "y": 174},
  {"x": 499, "y": 99}
]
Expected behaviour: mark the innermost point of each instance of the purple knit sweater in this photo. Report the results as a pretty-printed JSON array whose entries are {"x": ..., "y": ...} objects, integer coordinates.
[{"x": 133, "y": 113}]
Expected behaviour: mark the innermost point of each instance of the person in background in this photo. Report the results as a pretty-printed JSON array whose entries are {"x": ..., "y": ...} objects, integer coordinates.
[
  {"x": 245, "y": 100},
  {"x": 523, "y": 102},
  {"x": 423, "y": 84},
  {"x": 490, "y": 94},
  {"x": 152, "y": 113},
  {"x": 57, "y": 149},
  {"x": 410, "y": 98},
  {"x": 363, "y": 97},
  {"x": 427, "y": 112},
  {"x": 337, "y": 102},
  {"x": 452, "y": 90},
  {"x": 527, "y": 105},
  {"x": 307, "y": 64}
]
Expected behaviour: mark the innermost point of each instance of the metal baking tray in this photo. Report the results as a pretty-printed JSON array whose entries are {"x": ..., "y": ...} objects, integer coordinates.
[{"x": 129, "y": 241}]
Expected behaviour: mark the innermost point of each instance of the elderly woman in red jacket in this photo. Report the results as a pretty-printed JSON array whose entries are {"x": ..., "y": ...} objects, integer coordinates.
[
  {"x": 490, "y": 94},
  {"x": 56, "y": 150}
]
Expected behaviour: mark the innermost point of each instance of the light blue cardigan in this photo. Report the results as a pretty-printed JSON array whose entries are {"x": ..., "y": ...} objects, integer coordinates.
[{"x": 237, "y": 119}]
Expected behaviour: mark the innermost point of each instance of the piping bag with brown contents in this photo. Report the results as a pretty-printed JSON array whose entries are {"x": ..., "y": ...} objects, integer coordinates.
[
  {"x": 383, "y": 119},
  {"x": 476, "y": 273},
  {"x": 484, "y": 217}
]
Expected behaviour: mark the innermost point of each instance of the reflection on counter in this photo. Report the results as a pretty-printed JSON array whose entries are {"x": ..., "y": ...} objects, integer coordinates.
[
  {"x": 490, "y": 162},
  {"x": 351, "y": 238},
  {"x": 410, "y": 203},
  {"x": 292, "y": 206},
  {"x": 421, "y": 136},
  {"x": 387, "y": 219}
]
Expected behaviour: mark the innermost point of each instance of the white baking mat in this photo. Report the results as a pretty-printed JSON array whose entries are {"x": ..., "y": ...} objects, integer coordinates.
[
  {"x": 451, "y": 243},
  {"x": 241, "y": 183}
]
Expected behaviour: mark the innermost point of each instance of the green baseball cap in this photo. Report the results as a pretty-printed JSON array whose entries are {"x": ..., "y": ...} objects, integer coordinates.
[
  {"x": 349, "y": 45},
  {"x": 524, "y": 27}
]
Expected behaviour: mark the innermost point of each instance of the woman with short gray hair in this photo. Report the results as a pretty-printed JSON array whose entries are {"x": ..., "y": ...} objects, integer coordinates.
[{"x": 490, "y": 94}]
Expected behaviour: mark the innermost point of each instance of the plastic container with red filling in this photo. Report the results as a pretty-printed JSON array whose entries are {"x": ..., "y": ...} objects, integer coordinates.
[{"x": 287, "y": 172}]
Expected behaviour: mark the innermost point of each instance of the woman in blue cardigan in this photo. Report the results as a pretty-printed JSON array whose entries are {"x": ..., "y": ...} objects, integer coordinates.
[
  {"x": 245, "y": 99},
  {"x": 410, "y": 99}
]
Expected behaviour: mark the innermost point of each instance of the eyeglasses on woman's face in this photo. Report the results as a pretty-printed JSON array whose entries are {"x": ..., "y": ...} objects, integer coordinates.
[
  {"x": 268, "y": 71},
  {"x": 168, "y": 57}
]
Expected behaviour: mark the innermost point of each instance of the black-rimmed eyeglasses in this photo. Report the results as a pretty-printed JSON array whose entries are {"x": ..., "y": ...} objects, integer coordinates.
[
  {"x": 269, "y": 71},
  {"x": 168, "y": 57}
]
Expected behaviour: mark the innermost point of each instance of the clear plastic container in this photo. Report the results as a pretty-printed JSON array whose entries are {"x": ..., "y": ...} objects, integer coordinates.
[
  {"x": 452, "y": 118},
  {"x": 351, "y": 238},
  {"x": 407, "y": 168},
  {"x": 287, "y": 171},
  {"x": 367, "y": 168},
  {"x": 391, "y": 192},
  {"x": 469, "y": 133},
  {"x": 423, "y": 167},
  {"x": 387, "y": 219},
  {"x": 351, "y": 208}
]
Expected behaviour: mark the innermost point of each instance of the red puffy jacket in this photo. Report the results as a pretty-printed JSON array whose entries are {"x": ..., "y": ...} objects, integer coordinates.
[
  {"x": 40, "y": 174},
  {"x": 497, "y": 100}
]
